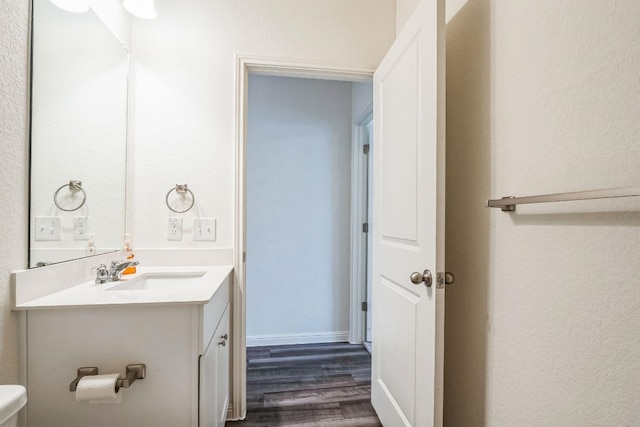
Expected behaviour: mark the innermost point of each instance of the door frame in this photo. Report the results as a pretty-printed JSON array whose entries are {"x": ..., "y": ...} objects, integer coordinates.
[
  {"x": 359, "y": 175},
  {"x": 245, "y": 65}
]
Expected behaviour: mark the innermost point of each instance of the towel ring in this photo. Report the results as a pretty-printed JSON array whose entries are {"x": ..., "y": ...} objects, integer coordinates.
[
  {"x": 181, "y": 189},
  {"x": 74, "y": 186}
]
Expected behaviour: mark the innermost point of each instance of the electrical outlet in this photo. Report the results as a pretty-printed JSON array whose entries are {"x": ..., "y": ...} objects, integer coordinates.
[
  {"x": 174, "y": 231},
  {"x": 48, "y": 228},
  {"x": 204, "y": 229},
  {"x": 80, "y": 228}
]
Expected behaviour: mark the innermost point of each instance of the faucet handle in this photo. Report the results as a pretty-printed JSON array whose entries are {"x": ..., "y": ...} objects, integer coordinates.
[{"x": 102, "y": 274}]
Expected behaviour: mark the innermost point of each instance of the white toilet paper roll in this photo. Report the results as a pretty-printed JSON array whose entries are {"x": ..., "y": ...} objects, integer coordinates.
[{"x": 98, "y": 389}]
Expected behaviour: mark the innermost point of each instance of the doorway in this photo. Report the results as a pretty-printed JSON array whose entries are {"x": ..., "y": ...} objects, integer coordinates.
[
  {"x": 298, "y": 202},
  {"x": 275, "y": 67},
  {"x": 301, "y": 226}
]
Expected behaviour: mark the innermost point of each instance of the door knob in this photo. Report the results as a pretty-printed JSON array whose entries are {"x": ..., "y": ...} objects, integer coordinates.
[
  {"x": 449, "y": 278},
  {"x": 445, "y": 279},
  {"x": 426, "y": 277}
]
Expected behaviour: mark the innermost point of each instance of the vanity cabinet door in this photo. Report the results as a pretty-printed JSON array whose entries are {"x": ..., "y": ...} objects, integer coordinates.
[
  {"x": 222, "y": 368},
  {"x": 214, "y": 377}
]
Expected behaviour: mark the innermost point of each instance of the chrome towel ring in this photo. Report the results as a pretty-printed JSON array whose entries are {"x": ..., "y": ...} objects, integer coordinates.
[
  {"x": 182, "y": 190},
  {"x": 74, "y": 187}
]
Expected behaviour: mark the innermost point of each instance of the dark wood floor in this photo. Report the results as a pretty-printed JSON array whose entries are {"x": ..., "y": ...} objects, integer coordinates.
[{"x": 311, "y": 385}]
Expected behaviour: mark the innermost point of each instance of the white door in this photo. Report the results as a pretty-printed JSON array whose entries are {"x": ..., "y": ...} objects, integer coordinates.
[{"x": 408, "y": 223}]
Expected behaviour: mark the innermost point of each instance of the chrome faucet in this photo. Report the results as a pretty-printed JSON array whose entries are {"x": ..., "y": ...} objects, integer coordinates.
[{"x": 117, "y": 267}]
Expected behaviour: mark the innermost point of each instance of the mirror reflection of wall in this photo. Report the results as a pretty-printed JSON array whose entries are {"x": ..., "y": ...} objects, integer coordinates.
[{"x": 78, "y": 132}]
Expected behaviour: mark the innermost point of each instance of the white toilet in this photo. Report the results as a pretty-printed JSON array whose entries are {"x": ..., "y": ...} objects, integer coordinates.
[{"x": 12, "y": 399}]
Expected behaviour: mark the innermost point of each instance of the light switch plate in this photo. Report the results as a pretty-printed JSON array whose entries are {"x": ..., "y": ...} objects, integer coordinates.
[
  {"x": 48, "y": 228},
  {"x": 204, "y": 229},
  {"x": 174, "y": 230}
]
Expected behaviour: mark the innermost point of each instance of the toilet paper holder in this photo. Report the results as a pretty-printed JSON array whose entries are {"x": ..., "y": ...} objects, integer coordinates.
[{"x": 134, "y": 372}]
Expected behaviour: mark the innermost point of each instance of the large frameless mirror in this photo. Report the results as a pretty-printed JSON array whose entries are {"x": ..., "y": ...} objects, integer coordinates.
[{"x": 78, "y": 135}]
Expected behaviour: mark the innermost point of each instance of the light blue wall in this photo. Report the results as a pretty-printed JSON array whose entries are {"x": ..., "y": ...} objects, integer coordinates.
[{"x": 298, "y": 220}]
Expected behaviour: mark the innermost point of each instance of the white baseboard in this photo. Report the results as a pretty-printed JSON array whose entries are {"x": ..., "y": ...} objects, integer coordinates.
[{"x": 284, "y": 339}]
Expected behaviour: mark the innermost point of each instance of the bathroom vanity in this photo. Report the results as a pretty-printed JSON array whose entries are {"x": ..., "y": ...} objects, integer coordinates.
[{"x": 173, "y": 320}]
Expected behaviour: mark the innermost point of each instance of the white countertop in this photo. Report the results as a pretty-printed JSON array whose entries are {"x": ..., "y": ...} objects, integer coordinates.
[{"x": 89, "y": 294}]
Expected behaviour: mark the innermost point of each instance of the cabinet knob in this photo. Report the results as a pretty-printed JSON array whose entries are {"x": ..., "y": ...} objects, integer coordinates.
[
  {"x": 223, "y": 343},
  {"x": 225, "y": 336}
]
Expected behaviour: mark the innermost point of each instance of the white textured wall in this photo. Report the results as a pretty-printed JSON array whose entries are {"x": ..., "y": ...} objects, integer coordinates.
[
  {"x": 404, "y": 9},
  {"x": 14, "y": 178},
  {"x": 183, "y": 98},
  {"x": 542, "y": 322},
  {"x": 298, "y": 210}
]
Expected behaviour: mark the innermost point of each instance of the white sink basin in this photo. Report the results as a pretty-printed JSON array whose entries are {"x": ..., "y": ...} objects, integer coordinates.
[{"x": 158, "y": 281}]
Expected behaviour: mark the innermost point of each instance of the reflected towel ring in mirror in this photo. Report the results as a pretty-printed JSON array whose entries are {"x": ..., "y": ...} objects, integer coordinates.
[
  {"x": 181, "y": 189},
  {"x": 74, "y": 187}
]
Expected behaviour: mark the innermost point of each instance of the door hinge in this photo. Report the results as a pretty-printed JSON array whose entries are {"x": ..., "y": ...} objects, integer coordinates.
[
  {"x": 365, "y": 227},
  {"x": 365, "y": 306},
  {"x": 365, "y": 148},
  {"x": 244, "y": 257}
]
